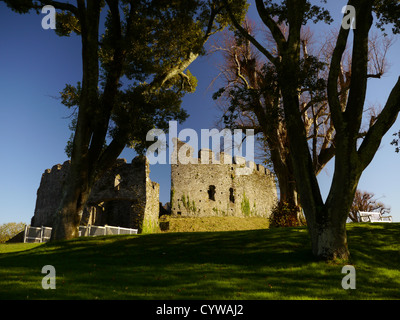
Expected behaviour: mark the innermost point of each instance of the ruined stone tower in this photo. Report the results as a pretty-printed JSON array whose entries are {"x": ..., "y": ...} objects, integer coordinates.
[
  {"x": 232, "y": 187},
  {"x": 125, "y": 196}
]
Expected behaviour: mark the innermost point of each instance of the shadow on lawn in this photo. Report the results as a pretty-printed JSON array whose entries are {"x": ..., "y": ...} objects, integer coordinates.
[{"x": 261, "y": 264}]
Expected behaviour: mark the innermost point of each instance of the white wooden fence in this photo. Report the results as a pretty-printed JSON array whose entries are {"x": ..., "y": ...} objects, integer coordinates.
[
  {"x": 43, "y": 234},
  {"x": 37, "y": 234},
  {"x": 92, "y": 231}
]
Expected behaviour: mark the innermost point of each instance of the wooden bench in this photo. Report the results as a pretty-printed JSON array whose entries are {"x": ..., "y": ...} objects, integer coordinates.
[{"x": 365, "y": 216}]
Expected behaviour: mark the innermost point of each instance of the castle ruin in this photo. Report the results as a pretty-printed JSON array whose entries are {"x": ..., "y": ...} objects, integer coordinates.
[
  {"x": 125, "y": 196},
  {"x": 219, "y": 185}
]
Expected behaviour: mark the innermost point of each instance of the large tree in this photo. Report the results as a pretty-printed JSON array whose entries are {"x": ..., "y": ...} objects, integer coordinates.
[
  {"x": 133, "y": 78},
  {"x": 251, "y": 97},
  {"x": 326, "y": 220}
]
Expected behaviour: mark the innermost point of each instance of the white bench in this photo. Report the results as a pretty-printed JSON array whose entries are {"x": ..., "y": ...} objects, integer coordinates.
[{"x": 373, "y": 217}]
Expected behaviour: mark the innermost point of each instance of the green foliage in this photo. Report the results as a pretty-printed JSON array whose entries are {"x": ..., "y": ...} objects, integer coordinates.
[
  {"x": 219, "y": 212},
  {"x": 157, "y": 42},
  {"x": 312, "y": 12},
  {"x": 285, "y": 215},
  {"x": 150, "y": 226},
  {"x": 70, "y": 98},
  {"x": 22, "y": 6},
  {"x": 194, "y": 206},
  {"x": 238, "y": 9},
  {"x": 66, "y": 23},
  {"x": 245, "y": 206},
  {"x": 388, "y": 13},
  {"x": 9, "y": 230},
  {"x": 70, "y": 95},
  {"x": 190, "y": 206}
]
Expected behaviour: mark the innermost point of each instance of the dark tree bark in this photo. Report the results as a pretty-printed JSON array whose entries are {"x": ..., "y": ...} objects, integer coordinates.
[{"x": 78, "y": 184}]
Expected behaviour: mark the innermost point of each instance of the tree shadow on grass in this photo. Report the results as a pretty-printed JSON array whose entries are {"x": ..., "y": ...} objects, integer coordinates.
[{"x": 261, "y": 264}]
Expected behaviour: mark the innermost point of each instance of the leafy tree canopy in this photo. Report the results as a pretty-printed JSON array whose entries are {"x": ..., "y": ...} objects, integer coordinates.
[{"x": 158, "y": 40}]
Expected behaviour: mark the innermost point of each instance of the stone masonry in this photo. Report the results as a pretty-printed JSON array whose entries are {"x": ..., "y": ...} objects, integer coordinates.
[
  {"x": 125, "y": 196},
  {"x": 233, "y": 187}
]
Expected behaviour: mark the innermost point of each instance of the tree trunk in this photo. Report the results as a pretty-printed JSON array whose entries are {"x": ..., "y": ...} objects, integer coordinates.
[
  {"x": 328, "y": 237},
  {"x": 69, "y": 216},
  {"x": 81, "y": 176},
  {"x": 282, "y": 165},
  {"x": 76, "y": 191},
  {"x": 287, "y": 189}
]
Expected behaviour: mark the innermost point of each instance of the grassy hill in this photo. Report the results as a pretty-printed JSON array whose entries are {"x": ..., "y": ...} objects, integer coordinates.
[
  {"x": 200, "y": 224},
  {"x": 251, "y": 264}
]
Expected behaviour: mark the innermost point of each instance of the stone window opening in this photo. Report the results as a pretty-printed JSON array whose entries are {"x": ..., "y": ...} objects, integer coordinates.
[
  {"x": 231, "y": 196},
  {"x": 211, "y": 192}
]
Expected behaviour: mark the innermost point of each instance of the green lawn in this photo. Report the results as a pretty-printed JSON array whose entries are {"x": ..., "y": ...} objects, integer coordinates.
[
  {"x": 258, "y": 264},
  {"x": 200, "y": 224}
]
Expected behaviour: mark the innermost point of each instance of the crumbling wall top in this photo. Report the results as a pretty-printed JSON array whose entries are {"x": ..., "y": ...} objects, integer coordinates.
[{"x": 184, "y": 154}]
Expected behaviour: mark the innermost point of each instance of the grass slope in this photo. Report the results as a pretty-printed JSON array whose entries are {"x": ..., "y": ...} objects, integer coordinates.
[
  {"x": 200, "y": 224},
  {"x": 258, "y": 264}
]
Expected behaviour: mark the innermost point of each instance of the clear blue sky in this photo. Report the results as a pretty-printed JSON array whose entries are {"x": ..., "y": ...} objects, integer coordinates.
[{"x": 35, "y": 65}]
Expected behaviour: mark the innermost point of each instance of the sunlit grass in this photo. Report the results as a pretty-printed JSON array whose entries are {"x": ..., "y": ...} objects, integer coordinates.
[
  {"x": 200, "y": 224},
  {"x": 15, "y": 247},
  {"x": 258, "y": 264}
]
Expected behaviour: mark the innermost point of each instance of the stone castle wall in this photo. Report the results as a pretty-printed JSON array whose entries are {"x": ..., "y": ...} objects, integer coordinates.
[
  {"x": 232, "y": 187},
  {"x": 49, "y": 194},
  {"x": 125, "y": 196}
]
